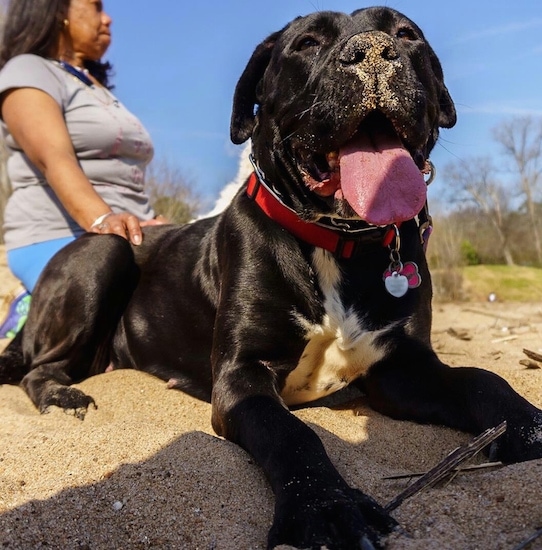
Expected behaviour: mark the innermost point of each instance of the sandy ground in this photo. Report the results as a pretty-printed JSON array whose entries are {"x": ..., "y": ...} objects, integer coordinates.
[{"x": 145, "y": 469}]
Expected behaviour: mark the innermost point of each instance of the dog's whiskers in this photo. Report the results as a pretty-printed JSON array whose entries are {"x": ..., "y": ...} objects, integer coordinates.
[
  {"x": 309, "y": 109},
  {"x": 300, "y": 115}
]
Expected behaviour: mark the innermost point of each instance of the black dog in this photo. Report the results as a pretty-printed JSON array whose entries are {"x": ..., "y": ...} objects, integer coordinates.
[{"x": 314, "y": 278}]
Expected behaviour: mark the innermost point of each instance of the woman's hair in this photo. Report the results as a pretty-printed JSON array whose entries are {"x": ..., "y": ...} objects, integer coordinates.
[{"x": 34, "y": 26}]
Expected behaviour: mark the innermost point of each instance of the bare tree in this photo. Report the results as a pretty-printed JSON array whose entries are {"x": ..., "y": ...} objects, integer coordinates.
[
  {"x": 474, "y": 182},
  {"x": 171, "y": 193},
  {"x": 444, "y": 256},
  {"x": 521, "y": 142}
]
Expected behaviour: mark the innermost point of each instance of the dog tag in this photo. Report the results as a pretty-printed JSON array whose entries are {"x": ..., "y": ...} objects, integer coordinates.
[
  {"x": 396, "y": 284},
  {"x": 398, "y": 278}
]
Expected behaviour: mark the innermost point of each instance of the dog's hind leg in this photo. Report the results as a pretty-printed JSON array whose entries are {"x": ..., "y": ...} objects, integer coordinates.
[{"x": 75, "y": 310}]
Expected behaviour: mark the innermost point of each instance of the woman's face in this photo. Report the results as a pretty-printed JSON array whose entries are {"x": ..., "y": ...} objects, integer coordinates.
[{"x": 88, "y": 28}]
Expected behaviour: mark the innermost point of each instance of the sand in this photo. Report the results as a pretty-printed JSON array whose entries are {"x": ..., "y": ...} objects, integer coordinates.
[{"x": 145, "y": 469}]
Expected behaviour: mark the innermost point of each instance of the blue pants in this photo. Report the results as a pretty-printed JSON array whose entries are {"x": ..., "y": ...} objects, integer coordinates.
[{"x": 27, "y": 262}]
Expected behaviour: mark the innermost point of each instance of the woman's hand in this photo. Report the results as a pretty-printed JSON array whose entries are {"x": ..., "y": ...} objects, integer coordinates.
[{"x": 124, "y": 225}]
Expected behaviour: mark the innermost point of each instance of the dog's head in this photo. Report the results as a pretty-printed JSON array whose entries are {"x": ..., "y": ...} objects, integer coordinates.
[{"x": 343, "y": 111}]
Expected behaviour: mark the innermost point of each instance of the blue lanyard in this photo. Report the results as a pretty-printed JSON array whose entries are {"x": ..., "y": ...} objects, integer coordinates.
[{"x": 76, "y": 72}]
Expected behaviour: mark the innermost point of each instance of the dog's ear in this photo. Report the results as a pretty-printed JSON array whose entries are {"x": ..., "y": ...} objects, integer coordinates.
[
  {"x": 447, "y": 116},
  {"x": 245, "y": 97}
]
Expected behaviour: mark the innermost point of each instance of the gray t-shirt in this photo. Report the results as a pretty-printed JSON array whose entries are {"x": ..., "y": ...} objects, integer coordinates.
[{"x": 111, "y": 144}]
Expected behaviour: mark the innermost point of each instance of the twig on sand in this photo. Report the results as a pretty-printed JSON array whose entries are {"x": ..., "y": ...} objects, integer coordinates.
[
  {"x": 504, "y": 339},
  {"x": 447, "y": 466},
  {"x": 457, "y": 469},
  {"x": 528, "y": 541},
  {"x": 528, "y": 363},
  {"x": 533, "y": 355},
  {"x": 460, "y": 334}
]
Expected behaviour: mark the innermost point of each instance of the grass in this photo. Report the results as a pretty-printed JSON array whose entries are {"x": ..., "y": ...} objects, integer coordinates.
[{"x": 517, "y": 283}]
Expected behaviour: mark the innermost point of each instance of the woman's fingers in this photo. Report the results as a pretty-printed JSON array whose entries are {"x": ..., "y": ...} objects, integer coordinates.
[
  {"x": 124, "y": 225},
  {"x": 133, "y": 230}
]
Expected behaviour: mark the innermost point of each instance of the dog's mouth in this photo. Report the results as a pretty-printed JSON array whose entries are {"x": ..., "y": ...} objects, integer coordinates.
[{"x": 372, "y": 171}]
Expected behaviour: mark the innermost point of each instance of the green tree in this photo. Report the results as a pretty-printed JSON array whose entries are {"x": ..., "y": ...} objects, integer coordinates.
[{"x": 469, "y": 253}]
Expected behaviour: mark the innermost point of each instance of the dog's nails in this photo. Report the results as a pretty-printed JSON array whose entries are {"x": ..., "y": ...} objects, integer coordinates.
[
  {"x": 401, "y": 532},
  {"x": 366, "y": 544},
  {"x": 493, "y": 452},
  {"x": 80, "y": 413}
]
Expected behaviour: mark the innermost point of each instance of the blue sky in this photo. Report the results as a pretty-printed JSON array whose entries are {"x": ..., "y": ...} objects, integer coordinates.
[{"x": 177, "y": 63}]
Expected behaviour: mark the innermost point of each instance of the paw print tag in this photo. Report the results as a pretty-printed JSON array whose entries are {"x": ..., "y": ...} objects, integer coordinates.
[
  {"x": 411, "y": 272},
  {"x": 398, "y": 278}
]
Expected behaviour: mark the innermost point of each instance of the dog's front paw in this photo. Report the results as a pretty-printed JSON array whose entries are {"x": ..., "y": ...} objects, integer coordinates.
[
  {"x": 71, "y": 400},
  {"x": 340, "y": 520},
  {"x": 522, "y": 441}
]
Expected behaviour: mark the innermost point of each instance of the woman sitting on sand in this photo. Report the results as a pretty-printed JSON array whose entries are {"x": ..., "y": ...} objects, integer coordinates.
[{"x": 77, "y": 156}]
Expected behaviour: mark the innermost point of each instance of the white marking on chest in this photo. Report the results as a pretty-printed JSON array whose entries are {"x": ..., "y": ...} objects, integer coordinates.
[{"x": 338, "y": 350}]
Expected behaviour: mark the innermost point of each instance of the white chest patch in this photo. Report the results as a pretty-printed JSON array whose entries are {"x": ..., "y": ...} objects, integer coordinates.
[{"x": 338, "y": 350}]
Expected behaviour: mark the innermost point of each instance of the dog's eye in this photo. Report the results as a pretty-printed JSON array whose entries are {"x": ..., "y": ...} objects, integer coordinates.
[
  {"x": 306, "y": 43},
  {"x": 406, "y": 33}
]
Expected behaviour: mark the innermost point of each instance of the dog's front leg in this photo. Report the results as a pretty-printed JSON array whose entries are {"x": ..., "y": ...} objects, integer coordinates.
[
  {"x": 314, "y": 506},
  {"x": 413, "y": 384}
]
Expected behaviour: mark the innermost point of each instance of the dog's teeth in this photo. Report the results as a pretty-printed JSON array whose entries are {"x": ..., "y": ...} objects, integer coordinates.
[{"x": 332, "y": 160}]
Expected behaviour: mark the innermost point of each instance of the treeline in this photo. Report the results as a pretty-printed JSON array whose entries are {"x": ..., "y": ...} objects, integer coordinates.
[
  {"x": 491, "y": 209},
  {"x": 468, "y": 237}
]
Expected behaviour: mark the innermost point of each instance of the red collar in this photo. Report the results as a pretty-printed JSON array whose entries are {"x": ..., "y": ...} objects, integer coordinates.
[{"x": 339, "y": 242}]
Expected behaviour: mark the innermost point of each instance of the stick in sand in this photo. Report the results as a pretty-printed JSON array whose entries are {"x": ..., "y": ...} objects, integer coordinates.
[
  {"x": 457, "y": 469},
  {"x": 527, "y": 542},
  {"x": 448, "y": 465}
]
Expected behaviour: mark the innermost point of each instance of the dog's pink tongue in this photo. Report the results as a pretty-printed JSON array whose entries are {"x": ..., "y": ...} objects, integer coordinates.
[{"x": 380, "y": 180}]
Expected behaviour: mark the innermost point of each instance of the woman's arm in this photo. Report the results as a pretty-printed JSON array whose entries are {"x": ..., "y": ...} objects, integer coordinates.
[{"x": 36, "y": 122}]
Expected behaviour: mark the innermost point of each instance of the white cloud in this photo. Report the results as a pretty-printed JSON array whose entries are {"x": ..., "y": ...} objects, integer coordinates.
[
  {"x": 510, "y": 28},
  {"x": 516, "y": 108}
]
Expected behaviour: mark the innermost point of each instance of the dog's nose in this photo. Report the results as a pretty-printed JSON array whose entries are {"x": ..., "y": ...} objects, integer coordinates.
[{"x": 368, "y": 47}]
